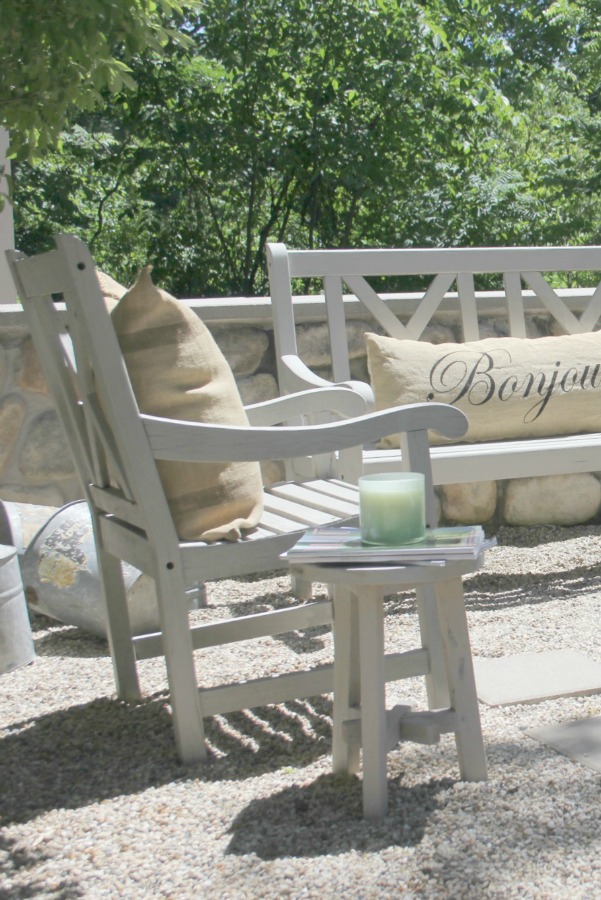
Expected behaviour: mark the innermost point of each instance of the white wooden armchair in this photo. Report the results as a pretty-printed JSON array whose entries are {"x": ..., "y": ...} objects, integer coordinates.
[{"x": 115, "y": 449}]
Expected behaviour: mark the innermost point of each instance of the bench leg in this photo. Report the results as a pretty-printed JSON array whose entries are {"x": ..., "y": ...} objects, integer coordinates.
[
  {"x": 373, "y": 703},
  {"x": 462, "y": 684}
]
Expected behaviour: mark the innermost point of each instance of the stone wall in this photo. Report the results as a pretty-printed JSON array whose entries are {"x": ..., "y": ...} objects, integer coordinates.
[{"x": 36, "y": 466}]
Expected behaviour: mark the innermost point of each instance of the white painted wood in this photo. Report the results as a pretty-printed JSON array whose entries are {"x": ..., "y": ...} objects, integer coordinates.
[
  {"x": 407, "y": 664},
  {"x": 526, "y": 289},
  {"x": 515, "y": 305},
  {"x": 314, "y": 499},
  {"x": 360, "y": 714},
  {"x": 341, "y": 369},
  {"x": 173, "y": 439},
  {"x": 426, "y": 726},
  {"x": 243, "y": 628},
  {"x": 318, "y": 263},
  {"x": 461, "y": 681},
  {"x": 501, "y": 460},
  {"x": 374, "y": 303},
  {"x": 429, "y": 628},
  {"x": 262, "y": 691},
  {"x": 119, "y": 633},
  {"x": 546, "y": 293},
  {"x": 345, "y": 745},
  {"x": 427, "y": 306},
  {"x": 342, "y": 400},
  {"x": 469, "y": 312},
  {"x": 373, "y": 703},
  {"x": 115, "y": 449}
]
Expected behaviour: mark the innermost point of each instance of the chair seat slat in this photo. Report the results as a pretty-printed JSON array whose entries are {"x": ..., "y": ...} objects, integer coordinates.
[{"x": 316, "y": 499}]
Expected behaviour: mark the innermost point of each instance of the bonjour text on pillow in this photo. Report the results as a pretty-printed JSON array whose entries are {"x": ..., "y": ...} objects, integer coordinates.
[{"x": 507, "y": 387}]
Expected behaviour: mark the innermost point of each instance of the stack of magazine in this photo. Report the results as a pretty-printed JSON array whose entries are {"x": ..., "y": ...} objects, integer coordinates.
[{"x": 343, "y": 546}]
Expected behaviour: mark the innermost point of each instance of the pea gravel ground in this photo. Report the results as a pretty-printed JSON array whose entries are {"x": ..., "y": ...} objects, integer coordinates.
[{"x": 93, "y": 802}]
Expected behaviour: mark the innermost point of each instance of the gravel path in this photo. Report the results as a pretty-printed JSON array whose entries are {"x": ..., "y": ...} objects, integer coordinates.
[{"x": 93, "y": 802}]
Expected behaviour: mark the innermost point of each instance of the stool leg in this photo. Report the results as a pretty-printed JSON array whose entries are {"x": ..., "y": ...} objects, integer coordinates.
[
  {"x": 345, "y": 750},
  {"x": 429, "y": 626},
  {"x": 462, "y": 684},
  {"x": 373, "y": 703},
  {"x": 301, "y": 588}
]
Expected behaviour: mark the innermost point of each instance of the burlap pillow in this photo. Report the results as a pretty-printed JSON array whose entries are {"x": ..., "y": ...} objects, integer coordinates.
[
  {"x": 507, "y": 387},
  {"x": 178, "y": 372},
  {"x": 111, "y": 290}
]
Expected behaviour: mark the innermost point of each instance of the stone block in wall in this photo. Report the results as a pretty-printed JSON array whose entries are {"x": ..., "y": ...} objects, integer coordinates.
[
  {"x": 536, "y": 326},
  {"x": 469, "y": 504},
  {"x": 493, "y": 328},
  {"x": 435, "y": 333},
  {"x": 258, "y": 388},
  {"x": 45, "y": 454},
  {"x": 37, "y": 495},
  {"x": 12, "y": 414},
  {"x": 359, "y": 370},
  {"x": 552, "y": 500},
  {"x": 314, "y": 345},
  {"x": 555, "y": 329},
  {"x": 244, "y": 348},
  {"x": 28, "y": 371}
]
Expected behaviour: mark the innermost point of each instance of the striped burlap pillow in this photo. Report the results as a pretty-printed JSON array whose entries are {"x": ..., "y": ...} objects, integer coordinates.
[
  {"x": 177, "y": 371},
  {"x": 111, "y": 290}
]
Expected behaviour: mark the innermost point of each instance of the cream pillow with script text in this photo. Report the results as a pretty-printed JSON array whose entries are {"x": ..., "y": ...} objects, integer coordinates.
[{"x": 507, "y": 387}]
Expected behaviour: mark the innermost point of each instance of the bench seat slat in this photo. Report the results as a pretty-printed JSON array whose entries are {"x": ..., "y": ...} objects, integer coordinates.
[{"x": 462, "y": 463}]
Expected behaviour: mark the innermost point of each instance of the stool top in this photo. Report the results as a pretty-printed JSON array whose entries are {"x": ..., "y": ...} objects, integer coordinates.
[{"x": 427, "y": 573}]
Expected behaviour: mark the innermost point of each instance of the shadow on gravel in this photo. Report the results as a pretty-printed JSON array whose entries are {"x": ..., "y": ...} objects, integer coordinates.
[
  {"x": 494, "y": 591},
  {"x": 15, "y": 861},
  {"x": 107, "y": 748},
  {"x": 535, "y": 535},
  {"x": 325, "y": 818}
]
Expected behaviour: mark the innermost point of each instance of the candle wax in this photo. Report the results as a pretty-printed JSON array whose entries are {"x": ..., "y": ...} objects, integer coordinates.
[{"x": 392, "y": 508}]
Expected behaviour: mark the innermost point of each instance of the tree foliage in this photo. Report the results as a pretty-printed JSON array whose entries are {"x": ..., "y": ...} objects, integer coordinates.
[
  {"x": 58, "y": 57},
  {"x": 338, "y": 123}
]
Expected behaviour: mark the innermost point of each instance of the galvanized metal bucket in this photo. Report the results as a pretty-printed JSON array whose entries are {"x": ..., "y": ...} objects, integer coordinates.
[
  {"x": 20, "y": 522},
  {"x": 16, "y": 643},
  {"x": 61, "y": 577}
]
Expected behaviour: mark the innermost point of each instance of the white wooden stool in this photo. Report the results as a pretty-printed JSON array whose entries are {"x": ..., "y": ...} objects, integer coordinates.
[{"x": 361, "y": 670}]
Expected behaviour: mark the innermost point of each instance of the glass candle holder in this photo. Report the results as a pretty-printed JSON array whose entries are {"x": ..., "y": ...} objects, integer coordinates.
[{"x": 392, "y": 508}]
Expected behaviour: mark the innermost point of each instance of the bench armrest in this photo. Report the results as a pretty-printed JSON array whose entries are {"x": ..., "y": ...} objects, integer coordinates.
[
  {"x": 340, "y": 399},
  {"x": 303, "y": 378}
]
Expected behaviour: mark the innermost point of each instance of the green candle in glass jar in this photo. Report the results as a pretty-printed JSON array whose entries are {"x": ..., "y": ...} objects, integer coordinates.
[{"x": 392, "y": 508}]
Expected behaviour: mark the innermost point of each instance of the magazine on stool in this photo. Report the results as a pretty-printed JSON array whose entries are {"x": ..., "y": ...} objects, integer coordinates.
[{"x": 343, "y": 546}]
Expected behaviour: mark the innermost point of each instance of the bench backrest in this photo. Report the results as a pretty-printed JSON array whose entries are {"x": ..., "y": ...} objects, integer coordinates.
[{"x": 525, "y": 284}]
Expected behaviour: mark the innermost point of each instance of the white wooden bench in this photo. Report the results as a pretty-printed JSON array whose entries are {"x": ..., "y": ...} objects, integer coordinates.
[{"x": 344, "y": 276}]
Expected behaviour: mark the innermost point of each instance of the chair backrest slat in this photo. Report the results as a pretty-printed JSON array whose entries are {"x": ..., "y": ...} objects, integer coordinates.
[{"x": 94, "y": 396}]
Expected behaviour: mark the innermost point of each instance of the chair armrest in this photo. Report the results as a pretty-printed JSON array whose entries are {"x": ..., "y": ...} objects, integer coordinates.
[
  {"x": 341, "y": 399},
  {"x": 193, "y": 441}
]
